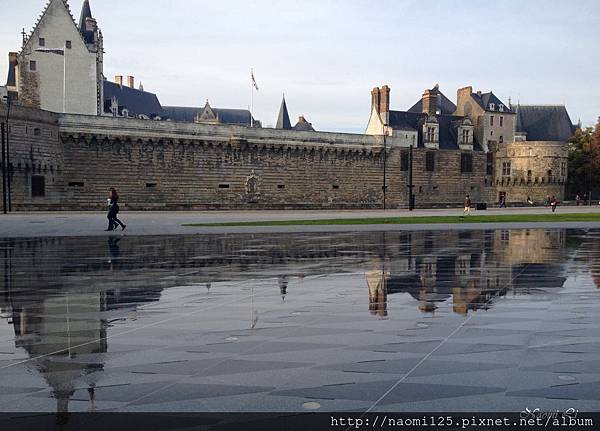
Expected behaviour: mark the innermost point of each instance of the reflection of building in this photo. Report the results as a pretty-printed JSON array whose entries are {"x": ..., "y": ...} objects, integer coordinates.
[
  {"x": 65, "y": 335},
  {"x": 377, "y": 284},
  {"x": 482, "y": 266},
  {"x": 63, "y": 324}
]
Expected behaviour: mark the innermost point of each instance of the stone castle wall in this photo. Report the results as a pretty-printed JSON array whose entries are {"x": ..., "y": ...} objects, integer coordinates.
[
  {"x": 35, "y": 151},
  {"x": 168, "y": 165},
  {"x": 538, "y": 170},
  {"x": 197, "y": 166}
]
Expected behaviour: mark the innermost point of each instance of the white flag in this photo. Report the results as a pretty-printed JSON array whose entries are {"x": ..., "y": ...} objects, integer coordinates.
[{"x": 253, "y": 80}]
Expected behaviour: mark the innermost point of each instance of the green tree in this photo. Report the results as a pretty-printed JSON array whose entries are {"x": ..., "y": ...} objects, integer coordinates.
[{"x": 580, "y": 156}]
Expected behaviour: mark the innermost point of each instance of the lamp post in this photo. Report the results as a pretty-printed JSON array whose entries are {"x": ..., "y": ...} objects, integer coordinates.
[
  {"x": 4, "y": 207},
  {"x": 7, "y": 131},
  {"x": 63, "y": 52},
  {"x": 411, "y": 201},
  {"x": 384, "y": 188}
]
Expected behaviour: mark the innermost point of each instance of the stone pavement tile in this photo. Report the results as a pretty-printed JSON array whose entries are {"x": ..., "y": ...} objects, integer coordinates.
[
  {"x": 364, "y": 391},
  {"x": 492, "y": 378},
  {"x": 567, "y": 367},
  {"x": 575, "y": 391},
  {"x": 446, "y": 366},
  {"x": 186, "y": 391},
  {"x": 393, "y": 366},
  {"x": 253, "y": 402}
]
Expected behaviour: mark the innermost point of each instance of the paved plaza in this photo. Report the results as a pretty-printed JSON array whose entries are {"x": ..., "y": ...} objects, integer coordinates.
[
  {"x": 44, "y": 224},
  {"x": 461, "y": 320}
]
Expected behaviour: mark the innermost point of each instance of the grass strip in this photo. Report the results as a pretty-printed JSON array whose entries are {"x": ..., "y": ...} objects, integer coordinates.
[{"x": 506, "y": 218}]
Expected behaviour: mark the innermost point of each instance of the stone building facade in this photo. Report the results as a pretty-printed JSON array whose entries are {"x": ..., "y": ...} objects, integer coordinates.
[{"x": 59, "y": 67}]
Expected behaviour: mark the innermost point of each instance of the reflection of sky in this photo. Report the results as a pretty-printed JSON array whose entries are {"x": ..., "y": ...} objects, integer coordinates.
[{"x": 326, "y": 56}]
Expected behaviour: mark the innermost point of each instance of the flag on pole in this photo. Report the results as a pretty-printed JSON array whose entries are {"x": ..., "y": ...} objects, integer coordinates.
[{"x": 253, "y": 80}]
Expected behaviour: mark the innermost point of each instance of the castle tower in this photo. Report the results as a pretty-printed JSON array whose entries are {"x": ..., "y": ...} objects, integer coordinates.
[{"x": 283, "y": 120}]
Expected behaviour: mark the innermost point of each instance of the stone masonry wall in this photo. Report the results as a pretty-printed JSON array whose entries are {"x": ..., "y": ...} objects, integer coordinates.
[
  {"x": 538, "y": 170},
  {"x": 160, "y": 165},
  {"x": 35, "y": 151}
]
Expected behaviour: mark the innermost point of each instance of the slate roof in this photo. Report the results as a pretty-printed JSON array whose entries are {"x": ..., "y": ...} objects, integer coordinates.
[
  {"x": 303, "y": 126},
  {"x": 283, "y": 120},
  {"x": 135, "y": 101},
  {"x": 544, "y": 122},
  {"x": 11, "y": 81},
  {"x": 86, "y": 12},
  {"x": 186, "y": 114},
  {"x": 403, "y": 120},
  {"x": 486, "y": 98},
  {"x": 445, "y": 105}
]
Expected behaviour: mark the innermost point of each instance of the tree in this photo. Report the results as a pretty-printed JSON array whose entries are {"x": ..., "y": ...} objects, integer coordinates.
[
  {"x": 584, "y": 162},
  {"x": 579, "y": 166}
]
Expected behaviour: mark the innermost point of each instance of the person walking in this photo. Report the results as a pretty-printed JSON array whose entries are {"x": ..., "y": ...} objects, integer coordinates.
[
  {"x": 502, "y": 202},
  {"x": 577, "y": 199},
  {"x": 553, "y": 203},
  {"x": 113, "y": 210},
  {"x": 467, "y": 210},
  {"x": 529, "y": 201}
]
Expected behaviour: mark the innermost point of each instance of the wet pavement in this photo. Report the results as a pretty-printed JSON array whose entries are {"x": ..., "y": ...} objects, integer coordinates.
[{"x": 494, "y": 320}]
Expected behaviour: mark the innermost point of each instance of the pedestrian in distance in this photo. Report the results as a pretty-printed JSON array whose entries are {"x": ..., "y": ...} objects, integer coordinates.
[
  {"x": 467, "y": 210},
  {"x": 553, "y": 203},
  {"x": 502, "y": 202},
  {"x": 529, "y": 201},
  {"x": 113, "y": 210},
  {"x": 577, "y": 199}
]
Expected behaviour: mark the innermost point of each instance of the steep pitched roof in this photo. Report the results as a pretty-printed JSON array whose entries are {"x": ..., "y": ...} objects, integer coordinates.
[
  {"x": 403, "y": 120},
  {"x": 188, "y": 114},
  {"x": 86, "y": 12},
  {"x": 182, "y": 114},
  {"x": 65, "y": 5},
  {"x": 303, "y": 126},
  {"x": 445, "y": 105},
  {"x": 485, "y": 99},
  {"x": 283, "y": 120},
  {"x": 11, "y": 81},
  {"x": 544, "y": 122},
  {"x": 135, "y": 101}
]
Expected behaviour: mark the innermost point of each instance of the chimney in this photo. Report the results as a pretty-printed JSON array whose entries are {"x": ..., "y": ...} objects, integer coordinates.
[
  {"x": 119, "y": 80},
  {"x": 131, "y": 81},
  {"x": 430, "y": 102},
  {"x": 384, "y": 101},
  {"x": 375, "y": 96}
]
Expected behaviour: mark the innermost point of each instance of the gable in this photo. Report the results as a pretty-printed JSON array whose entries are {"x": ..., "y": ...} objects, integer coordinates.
[{"x": 56, "y": 25}]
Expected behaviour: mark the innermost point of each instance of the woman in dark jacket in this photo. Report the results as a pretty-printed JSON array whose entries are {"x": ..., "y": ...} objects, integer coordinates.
[{"x": 113, "y": 210}]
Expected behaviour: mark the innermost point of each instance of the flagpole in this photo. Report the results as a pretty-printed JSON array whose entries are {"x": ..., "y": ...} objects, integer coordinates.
[{"x": 251, "y": 98}]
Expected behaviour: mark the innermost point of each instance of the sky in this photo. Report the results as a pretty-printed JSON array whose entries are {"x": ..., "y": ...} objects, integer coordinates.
[{"x": 326, "y": 56}]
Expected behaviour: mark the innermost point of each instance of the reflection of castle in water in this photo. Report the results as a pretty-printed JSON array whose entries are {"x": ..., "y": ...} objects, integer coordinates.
[
  {"x": 61, "y": 293},
  {"x": 64, "y": 331},
  {"x": 470, "y": 268}
]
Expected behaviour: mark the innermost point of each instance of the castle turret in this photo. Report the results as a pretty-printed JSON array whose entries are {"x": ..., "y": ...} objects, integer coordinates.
[{"x": 283, "y": 120}]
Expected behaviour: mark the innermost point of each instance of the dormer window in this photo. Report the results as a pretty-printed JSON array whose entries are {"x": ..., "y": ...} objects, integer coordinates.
[
  {"x": 501, "y": 108},
  {"x": 492, "y": 106},
  {"x": 125, "y": 113},
  {"x": 465, "y": 137},
  {"x": 431, "y": 134}
]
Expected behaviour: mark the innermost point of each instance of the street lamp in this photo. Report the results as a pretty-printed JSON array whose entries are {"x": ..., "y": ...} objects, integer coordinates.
[
  {"x": 63, "y": 52},
  {"x": 384, "y": 164},
  {"x": 411, "y": 198},
  {"x": 6, "y": 160}
]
